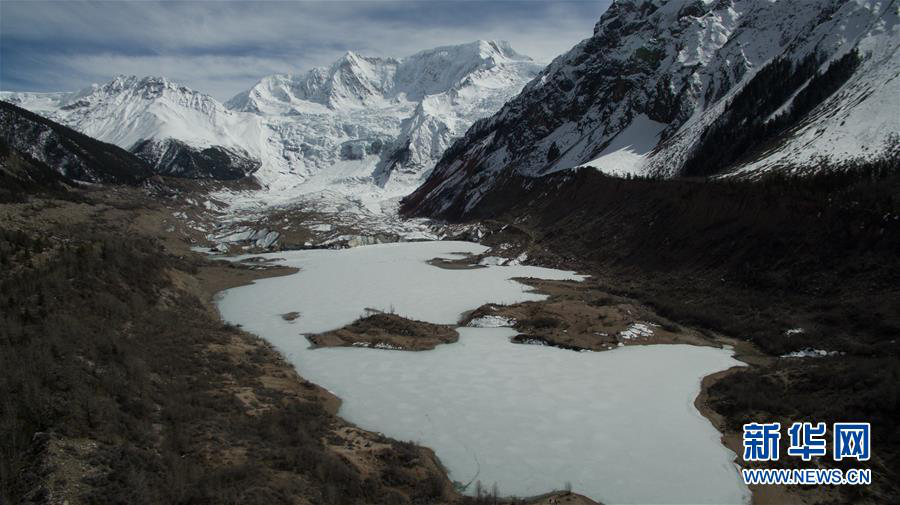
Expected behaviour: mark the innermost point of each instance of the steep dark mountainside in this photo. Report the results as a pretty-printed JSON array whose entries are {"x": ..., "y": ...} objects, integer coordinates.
[
  {"x": 669, "y": 87},
  {"x": 72, "y": 155},
  {"x": 175, "y": 158},
  {"x": 21, "y": 175}
]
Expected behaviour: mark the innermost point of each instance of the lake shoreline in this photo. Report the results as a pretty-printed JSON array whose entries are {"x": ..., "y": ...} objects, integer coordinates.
[
  {"x": 311, "y": 265},
  {"x": 664, "y": 331},
  {"x": 216, "y": 279},
  {"x": 563, "y": 293}
]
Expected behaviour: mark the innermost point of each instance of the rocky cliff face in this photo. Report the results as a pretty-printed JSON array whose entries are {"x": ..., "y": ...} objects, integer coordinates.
[
  {"x": 661, "y": 81},
  {"x": 175, "y": 158}
]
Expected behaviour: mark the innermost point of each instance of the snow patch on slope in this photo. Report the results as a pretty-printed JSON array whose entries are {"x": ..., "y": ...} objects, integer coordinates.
[{"x": 628, "y": 151}]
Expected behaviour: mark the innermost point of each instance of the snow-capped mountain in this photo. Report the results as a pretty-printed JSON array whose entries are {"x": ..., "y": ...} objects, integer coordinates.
[
  {"x": 697, "y": 87},
  {"x": 360, "y": 125},
  {"x": 385, "y": 121},
  {"x": 148, "y": 115},
  {"x": 354, "y": 81}
]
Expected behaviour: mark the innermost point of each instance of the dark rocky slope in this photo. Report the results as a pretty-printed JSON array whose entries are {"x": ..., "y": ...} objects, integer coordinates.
[
  {"x": 175, "y": 158},
  {"x": 665, "y": 87},
  {"x": 72, "y": 155}
]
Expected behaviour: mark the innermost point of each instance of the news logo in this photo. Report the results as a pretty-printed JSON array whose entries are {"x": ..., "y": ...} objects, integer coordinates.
[
  {"x": 761, "y": 441},
  {"x": 807, "y": 441},
  {"x": 851, "y": 440}
]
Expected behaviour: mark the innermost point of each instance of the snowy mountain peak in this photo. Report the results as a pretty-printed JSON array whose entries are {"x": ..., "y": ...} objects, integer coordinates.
[
  {"x": 152, "y": 86},
  {"x": 129, "y": 109},
  {"x": 503, "y": 48},
  {"x": 354, "y": 60},
  {"x": 354, "y": 81},
  {"x": 485, "y": 51},
  {"x": 134, "y": 89}
]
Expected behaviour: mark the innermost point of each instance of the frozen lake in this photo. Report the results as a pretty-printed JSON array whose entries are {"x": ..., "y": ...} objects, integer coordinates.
[{"x": 620, "y": 426}]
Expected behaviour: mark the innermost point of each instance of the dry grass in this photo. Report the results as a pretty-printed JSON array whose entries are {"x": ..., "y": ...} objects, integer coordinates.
[{"x": 388, "y": 331}]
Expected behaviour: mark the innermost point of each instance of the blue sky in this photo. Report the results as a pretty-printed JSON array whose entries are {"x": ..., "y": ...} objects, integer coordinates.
[{"x": 222, "y": 47}]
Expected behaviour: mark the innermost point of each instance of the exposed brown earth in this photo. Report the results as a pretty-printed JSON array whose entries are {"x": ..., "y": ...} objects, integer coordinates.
[
  {"x": 387, "y": 331},
  {"x": 581, "y": 316},
  {"x": 467, "y": 262}
]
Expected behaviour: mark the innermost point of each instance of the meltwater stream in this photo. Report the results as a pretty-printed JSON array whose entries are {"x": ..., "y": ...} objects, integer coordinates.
[{"x": 620, "y": 426}]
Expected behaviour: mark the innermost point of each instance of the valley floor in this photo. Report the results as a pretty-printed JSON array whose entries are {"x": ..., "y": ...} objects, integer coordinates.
[
  {"x": 121, "y": 383},
  {"x": 126, "y": 386}
]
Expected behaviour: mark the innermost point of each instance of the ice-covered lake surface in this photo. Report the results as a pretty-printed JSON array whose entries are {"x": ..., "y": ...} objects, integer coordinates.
[{"x": 620, "y": 426}]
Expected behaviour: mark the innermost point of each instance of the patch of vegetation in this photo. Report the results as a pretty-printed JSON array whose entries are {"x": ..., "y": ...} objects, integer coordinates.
[
  {"x": 387, "y": 328},
  {"x": 834, "y": 389},
  {"x": 745, "y": 125},
  {"x": 21, "y": 176},
  {"x": 97, "y": 344},
  {"x": 540, "y": 322}
]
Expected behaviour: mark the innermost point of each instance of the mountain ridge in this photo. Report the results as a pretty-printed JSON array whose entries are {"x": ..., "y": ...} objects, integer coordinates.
[
  {"x": 353, "y": 80},
  {"x": 638, "y": 96},
  {"x": 362, "y": 123}
]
